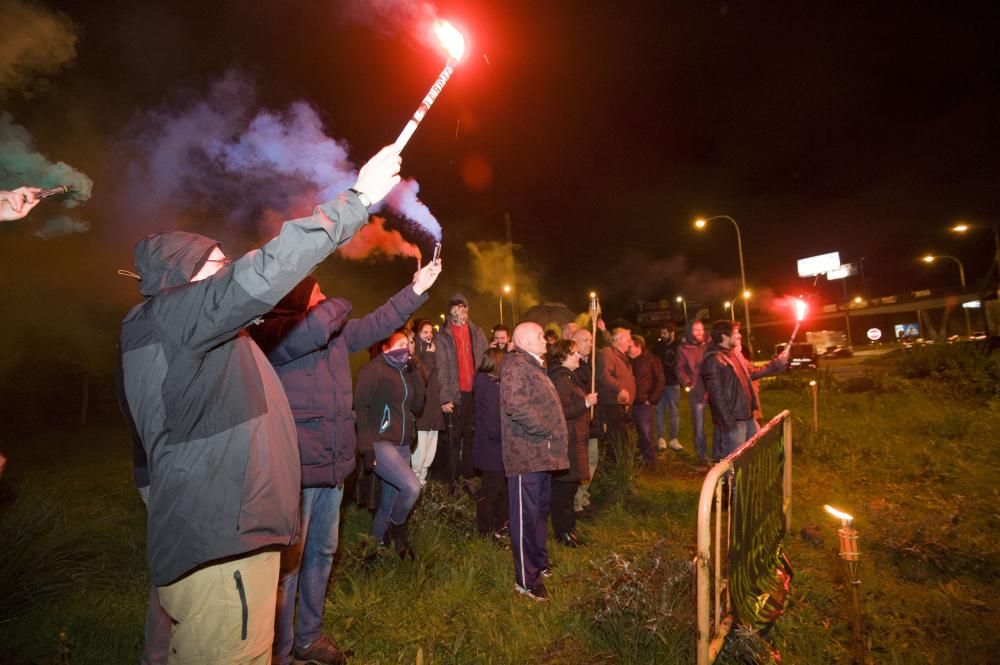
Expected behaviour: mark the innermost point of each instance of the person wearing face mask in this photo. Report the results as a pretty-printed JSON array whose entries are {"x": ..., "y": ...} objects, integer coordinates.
[
  {"x": 389, "y": 391},
  {"x": 430, "y": 422},
  {"x": 461, "y": 343}
]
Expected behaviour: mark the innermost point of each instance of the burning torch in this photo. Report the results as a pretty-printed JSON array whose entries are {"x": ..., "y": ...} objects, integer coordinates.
[
  {"x": 595, "y": 313},
  {"x": 851, "y": 557},
  {"x": 452, "y": 42}
]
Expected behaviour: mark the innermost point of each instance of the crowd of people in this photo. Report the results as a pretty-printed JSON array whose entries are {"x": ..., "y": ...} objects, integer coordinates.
[{"x": 235, "y": 381}]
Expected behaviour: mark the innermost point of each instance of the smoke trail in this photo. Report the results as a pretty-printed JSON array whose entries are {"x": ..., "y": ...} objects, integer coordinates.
[
  {"x": 374, "y": 239},
  {"x": 403, "y": 199},
  {"x": 21, "y": 164},
  {"x": 34, "y": 43},
  {"x": 392, "y": 18},
  {"x": 220, "y": 152},
  {"x": 62, "y": 225}
]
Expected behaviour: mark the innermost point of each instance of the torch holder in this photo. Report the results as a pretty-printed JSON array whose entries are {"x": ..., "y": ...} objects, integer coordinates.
[{"x": 849, "y": 552}]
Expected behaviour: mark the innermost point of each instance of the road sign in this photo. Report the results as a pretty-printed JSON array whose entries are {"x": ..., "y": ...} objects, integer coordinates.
[{"x": 874, "y": 334}]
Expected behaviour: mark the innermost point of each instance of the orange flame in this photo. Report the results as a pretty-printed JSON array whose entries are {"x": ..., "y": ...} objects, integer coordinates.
[
  {"x": 451, "y": 39},
  {"x": 838, "y": 514},
  {"x": 800, "y": 309}
]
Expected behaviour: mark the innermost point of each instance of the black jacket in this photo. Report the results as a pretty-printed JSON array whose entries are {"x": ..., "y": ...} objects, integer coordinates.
[
  {"x": 447, "y": 360},
  {"x": 431, "y": 418},
  {"x": 385, "y": 399},
  {"x": 667, "y": 353},
  {"x": 572, "y": 396},
  {"x": 206, "y": 404},
  {"x": 487, "y": 453},
  {"x": 310, "y": 351},
  {"x": 729, "y": 381}
]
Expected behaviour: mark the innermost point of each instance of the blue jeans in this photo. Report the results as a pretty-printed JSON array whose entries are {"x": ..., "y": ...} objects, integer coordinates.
[
  {"x": 736, "y": 437},
  {"x": 698, "y": 421},
  {"x": 400, "y": 487},
  {"x": 305, "y": 567},
  {"x": 671, "y": 400},
  {"x": 642, "y": 416}
]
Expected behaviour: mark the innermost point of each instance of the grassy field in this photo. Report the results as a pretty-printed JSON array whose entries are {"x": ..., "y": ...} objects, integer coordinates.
[{"x": 912, "y": 460}]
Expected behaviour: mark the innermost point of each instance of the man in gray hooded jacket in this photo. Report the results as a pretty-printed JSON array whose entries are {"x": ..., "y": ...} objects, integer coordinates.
[{"x": 215, "y": 424}]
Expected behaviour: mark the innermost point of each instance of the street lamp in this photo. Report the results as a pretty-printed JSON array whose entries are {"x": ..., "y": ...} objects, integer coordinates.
[
  {"x": 962, "y": 227},
  {"x": 506, "y": 289},
  {"x": 681, "y": 300},
  {"x": 729, "y": 308},
  {"x": 701, "y": 224},
  {"x": 930, "y": 258}
]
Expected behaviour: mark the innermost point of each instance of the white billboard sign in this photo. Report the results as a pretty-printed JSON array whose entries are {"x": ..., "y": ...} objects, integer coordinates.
[{"x": 817, "y": 265}]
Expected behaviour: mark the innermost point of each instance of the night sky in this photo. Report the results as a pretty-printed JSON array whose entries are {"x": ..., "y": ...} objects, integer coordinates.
[{"x": 603, "y": 129}]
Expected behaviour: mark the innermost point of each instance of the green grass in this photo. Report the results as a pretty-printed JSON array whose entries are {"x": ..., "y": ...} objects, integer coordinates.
[{"x": 912, "y": 461}]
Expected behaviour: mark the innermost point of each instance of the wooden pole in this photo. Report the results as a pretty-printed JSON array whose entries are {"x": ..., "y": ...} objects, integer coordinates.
[
  {"x": 595, "y": 310},
  {"x": 815, "y": 392}
]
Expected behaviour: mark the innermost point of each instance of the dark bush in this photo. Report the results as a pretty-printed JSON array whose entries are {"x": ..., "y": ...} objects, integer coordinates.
[{"x": 966, "y": 367}]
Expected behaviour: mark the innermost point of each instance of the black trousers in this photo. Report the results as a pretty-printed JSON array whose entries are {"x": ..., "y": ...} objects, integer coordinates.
[
  {"x": 457, "y": 439},
  {"x": 492, "y": 503},
  {"x": 563, "y": 517}
]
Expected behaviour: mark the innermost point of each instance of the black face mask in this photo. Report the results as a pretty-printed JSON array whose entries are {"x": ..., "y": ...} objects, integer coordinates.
[{"x": 397, "y": 357}]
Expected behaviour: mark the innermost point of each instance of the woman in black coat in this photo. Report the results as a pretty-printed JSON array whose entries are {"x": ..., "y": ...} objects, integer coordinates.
[
  {"x": 563, "y": 359},
  {"x": 388, "y": 392},
  {"x": 431, "y": 420},
  {"x": 487, "y": 456}
]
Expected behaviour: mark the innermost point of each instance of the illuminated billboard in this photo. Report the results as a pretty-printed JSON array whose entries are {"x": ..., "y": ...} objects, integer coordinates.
[{"x": 817, "y": 265}]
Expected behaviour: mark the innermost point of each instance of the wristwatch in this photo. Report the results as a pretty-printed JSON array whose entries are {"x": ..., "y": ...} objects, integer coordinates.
[{"x": 365, "y": 201}]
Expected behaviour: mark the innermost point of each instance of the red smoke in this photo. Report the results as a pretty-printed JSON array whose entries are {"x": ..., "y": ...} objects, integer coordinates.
[
  {"x": 785, "y": 306},
  {"x": 374, "y": 238}
]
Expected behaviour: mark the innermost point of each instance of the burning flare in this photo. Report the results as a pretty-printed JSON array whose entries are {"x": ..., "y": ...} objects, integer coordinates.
[
  {"x": 838, "y": 514},
  {"x": 800, "y": 309},
  {"x": 451, "y": 39}
]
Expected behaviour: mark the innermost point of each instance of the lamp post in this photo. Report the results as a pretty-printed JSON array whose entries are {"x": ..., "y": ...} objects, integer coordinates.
[
  {"x": 506, "y": 289},
  {"x": 962, "y": 227},
  {"x": 930, "y": 258},
  {"x": 681, "y": 300},
  {"x": 702, "y": 223}
]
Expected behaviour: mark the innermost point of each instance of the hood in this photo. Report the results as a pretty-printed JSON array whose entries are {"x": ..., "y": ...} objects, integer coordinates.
[
  {"x": 297, "y": 300},
  {"x": 165, "y": 260}
]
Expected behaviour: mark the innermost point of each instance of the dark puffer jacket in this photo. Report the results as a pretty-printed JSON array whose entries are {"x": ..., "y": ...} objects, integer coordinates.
[
  {"x": 206, "y": 404},
  {"x": 310, "y": 350},
  {"x": 729, "y": 382},
  {"x": 534, "y": 433},
  {"x": 386, "y": 399},
  {"x": 572, "y": 396}
]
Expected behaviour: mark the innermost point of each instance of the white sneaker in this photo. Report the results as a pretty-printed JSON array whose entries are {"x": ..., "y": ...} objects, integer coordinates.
[
  {"x": 675, "y": 445},
  {"x": 661, "y": 444}
]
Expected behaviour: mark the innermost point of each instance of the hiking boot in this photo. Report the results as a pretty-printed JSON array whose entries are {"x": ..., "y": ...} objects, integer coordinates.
[
  {"x": 538, "y": 594},
  {"x": 674, "y": 445},
  {"x": 322, "y": 652},
  {"x": 661, "y": 443}
]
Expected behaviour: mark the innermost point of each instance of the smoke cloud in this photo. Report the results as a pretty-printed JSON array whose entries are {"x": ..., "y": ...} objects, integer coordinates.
[
  {"x": 391, "y": 18},
  {"x": 35, "y": 43},
  {"x": 22, "y": 164},
  {"x": 220, "y": 152},
  {"x": 668, "y": 276},
  {"x": 374, "y": 239},
  {"x": 61, "y": 226},
  {"x": 494, "y": 265}
]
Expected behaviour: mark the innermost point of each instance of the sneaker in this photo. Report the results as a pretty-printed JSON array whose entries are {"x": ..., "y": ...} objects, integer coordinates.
[
  {"x": 674, "y": 445},
  {"x": 661, "y": 443},
  {"x": 538, "y": 594},
  {"x": 322, "y": 652}
]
